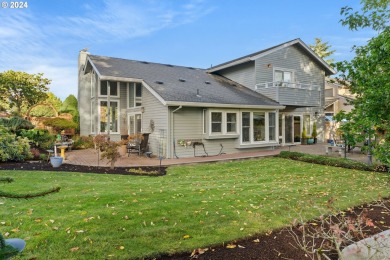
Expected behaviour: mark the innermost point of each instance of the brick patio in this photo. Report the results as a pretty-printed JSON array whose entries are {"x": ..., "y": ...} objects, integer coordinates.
[{"x": 90, "y": 157}]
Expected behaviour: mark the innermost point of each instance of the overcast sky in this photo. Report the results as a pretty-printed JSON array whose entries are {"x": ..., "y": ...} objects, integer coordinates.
[{"x": 47, "y": 36}]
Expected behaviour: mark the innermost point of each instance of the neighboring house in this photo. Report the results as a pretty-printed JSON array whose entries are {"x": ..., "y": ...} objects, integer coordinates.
[
  {"x": 255, "y": 102},
  {"x": 337, "y": 99}
]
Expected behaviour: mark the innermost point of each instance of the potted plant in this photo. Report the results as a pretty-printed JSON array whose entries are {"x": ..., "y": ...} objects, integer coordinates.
[
  {"x": 314, "y": 133},
  {"x": 310, "y": 140},
  {"x": 56, "y": 161},
  {"x": 304, "y": 136}
]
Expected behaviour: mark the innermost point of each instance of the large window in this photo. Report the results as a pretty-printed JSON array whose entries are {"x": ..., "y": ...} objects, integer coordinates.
[
  {"x": 258, "y": 127},
  {"x": 135, "y": 94},
  {"x": 112, "y": 114},
  {"x": 104, "y": 84}
]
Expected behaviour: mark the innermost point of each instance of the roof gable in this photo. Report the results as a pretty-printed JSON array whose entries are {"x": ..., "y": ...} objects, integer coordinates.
[{"x": 251, "y": 57}]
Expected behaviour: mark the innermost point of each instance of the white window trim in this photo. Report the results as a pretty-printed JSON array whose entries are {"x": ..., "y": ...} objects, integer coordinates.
[
  {"x": 111, "y": 96},
  {"x": 98, "y": 114},
  {"x": 128, "y": 122},
  {"x": 224, "y": 123},
  {"x": 266, "y": 127}
]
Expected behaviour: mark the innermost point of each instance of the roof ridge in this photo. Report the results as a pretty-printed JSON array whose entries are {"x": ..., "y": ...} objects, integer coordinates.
[{"x": 146, "y": 62}]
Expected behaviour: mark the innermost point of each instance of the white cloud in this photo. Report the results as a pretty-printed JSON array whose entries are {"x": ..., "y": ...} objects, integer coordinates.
[{"x": 49, "y": 44}]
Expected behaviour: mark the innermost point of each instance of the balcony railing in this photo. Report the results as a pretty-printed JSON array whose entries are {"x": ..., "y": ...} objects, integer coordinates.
[{"x": 291, "y": 93}]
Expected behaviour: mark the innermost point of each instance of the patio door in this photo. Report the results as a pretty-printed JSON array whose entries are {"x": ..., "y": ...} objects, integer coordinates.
[
  {"x": 291, "y": 128},
  {"x": 134, "y": 123}
]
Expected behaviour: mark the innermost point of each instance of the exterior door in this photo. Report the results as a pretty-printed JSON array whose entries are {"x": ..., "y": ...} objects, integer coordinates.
[
  {"x": 291, "y": 129},
  {"x": 134, "y": 124}
]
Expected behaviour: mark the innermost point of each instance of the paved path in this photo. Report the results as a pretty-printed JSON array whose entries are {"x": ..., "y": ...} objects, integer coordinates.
[{"x": 90, "y": 157}]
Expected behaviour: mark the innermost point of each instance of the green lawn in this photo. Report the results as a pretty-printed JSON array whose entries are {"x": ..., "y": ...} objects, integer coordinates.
[{"x": 123, "y": 217}]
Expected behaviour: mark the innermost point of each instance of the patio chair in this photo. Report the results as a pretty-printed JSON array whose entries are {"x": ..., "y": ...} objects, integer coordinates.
[{"x": 138, "y": 145}]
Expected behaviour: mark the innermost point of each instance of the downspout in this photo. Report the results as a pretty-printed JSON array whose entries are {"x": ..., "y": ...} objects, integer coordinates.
[{"x": 173, "y": 130}]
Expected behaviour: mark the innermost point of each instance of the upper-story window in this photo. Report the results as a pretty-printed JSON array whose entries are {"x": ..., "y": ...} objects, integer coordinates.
[
  {"x": 104, "y": 84},
  {"x": 283, "y": 77},
  {"x": 135, "y": 94}
]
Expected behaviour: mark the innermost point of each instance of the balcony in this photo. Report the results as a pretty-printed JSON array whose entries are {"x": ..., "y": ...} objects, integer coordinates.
[{"x": 291, "y": 94}]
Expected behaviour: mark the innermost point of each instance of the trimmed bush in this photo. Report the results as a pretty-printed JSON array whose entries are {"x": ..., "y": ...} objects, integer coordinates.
[
  {"x": 16, "y": 124},
  {"x": 83, "y": 142},
  {"x": 60, "y": 124},
  {"x": 13, "y": 148},
  {"x": 39, "y": 137},
  {"x": 325, "y": 160}
]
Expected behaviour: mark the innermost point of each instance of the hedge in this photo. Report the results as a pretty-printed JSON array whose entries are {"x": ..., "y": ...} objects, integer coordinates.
[{"x": 331, "y": 161}]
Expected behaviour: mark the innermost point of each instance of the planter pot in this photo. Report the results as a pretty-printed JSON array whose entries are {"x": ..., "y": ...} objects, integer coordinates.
[
  {"x": 304, "y": 141},
  {"x": 56, "y": 161},
  {"x": 310, "y": 141},
  {"x": 315, "y": 140}
]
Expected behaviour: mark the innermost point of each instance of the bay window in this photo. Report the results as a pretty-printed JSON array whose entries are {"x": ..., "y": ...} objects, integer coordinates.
[
  {"x": 216, "y": 122},
  {"x": 258, "y": 127},
  {"x": 231, "y": 122}
]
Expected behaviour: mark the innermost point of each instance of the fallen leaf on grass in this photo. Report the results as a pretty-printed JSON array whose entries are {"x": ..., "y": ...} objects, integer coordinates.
[
  {"x": 74, "y": 249},
  {"x": 186, "y": 236},
  {"x": 198, "y": 251},
  {"x": 121, "y": 247}
]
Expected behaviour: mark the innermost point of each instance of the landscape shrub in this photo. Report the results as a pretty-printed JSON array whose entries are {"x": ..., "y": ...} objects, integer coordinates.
[
  {"x": 83, "y": 142},
  {"x": 60, "y": 124},
  {"x": 16, "y": 124},
  {"x": 13, "y": 148},
  {"x": 326, "y": 160},
  {"x": 39, "y": 137}
]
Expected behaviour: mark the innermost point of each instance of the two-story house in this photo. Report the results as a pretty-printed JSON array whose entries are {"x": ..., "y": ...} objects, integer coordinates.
[{"x": 258, "y": 101}]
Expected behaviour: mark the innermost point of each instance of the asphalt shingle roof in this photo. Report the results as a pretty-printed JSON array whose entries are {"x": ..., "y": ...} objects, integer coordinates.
[{"x": 181, "y": 84}]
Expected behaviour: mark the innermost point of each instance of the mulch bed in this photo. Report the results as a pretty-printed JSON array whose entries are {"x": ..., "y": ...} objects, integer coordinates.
[
  {"x": 46, "y": 166},
  {"x": 277, "y": 244}
]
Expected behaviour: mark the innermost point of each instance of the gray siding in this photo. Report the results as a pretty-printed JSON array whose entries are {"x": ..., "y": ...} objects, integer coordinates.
[
  {"x": 157, "y": 113},
  {"x": 306, "y": 71},
  {"x": 243, "y": 74},
  {"x": 188, "y": 125}
]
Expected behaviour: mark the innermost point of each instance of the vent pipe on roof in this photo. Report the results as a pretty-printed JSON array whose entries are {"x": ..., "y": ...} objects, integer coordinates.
[{"x": 198, "y": 93}]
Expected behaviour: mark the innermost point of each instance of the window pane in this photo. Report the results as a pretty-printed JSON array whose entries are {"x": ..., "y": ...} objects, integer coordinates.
[
  {"x": 131, "y": 125},
  {"x": 216, "y": 122},
  {"x": 138, "y": 90},
  {"x": 259, "y": 126},
  {"x": 231, "y": 122},
  {"x": 272, "y": 126},
  {"x": 103, "y": 88},
  {"x": 103, "y": 116},
  {"x": 287, "y": 76},
  {"x": 138, "y": 123},
  {"x": 114, "y": 113},
  {"x": 113, "y": 88},
  {"x": 131, "y": 94},
  {"x": 246, "y": 126}
]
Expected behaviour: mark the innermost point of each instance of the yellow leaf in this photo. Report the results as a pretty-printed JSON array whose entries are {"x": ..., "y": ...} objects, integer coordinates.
[
  {"x": 230, "y": 246},
  {"x": 256, "y": 240},
  {"x": 186, "y": 236},
  {"x": 15, "y": 230},
  {"x": 121, "y": 247},
  {"x": 74, "y": 249},
  {"x": 38, "y": 220}
]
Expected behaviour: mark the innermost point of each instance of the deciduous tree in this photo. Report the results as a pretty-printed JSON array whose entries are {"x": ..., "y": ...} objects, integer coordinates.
[{"x": 22, "y": 89}]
